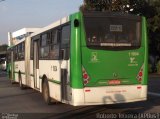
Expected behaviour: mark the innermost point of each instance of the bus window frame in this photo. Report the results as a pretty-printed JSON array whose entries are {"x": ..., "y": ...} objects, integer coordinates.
[
  {"x": 49, "y": 45},
  {"x": 65, "y": 50},
  {"x": 58, "y": 31},
  {"x": 138, "y": 19},
  {"x": 16, "y": 53}
]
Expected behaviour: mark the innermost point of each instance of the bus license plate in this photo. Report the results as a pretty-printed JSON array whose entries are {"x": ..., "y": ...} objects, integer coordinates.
[{"x": 114, "y": 82}]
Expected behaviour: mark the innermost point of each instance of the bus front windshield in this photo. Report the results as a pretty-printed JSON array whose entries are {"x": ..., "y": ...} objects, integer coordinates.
[{"x": 112, "y": 32}]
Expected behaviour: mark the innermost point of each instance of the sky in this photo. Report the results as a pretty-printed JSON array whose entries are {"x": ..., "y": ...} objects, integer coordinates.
[{"x": 17, "y": 14}]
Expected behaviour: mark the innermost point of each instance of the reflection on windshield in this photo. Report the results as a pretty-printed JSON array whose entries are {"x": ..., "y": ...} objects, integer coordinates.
[{"x": 109, "y": 31}]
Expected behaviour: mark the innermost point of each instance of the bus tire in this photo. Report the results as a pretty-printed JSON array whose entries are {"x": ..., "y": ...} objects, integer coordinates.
[
  {"x": 20, "y": 82},
  {"x": 45, "y": 92}
]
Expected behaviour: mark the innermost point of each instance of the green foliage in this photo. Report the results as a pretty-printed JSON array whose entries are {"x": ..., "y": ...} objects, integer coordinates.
[
  {"x": 148, "y": 8},
  {"x": 100, "y": 5},
  {"x": 140, "y": 7}
]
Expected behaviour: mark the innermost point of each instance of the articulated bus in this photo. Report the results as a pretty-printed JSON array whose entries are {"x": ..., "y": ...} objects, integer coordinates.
[{"x": 87, "y": 58}]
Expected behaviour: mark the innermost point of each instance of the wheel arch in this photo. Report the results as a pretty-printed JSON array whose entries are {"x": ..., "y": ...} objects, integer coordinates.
[{"x": 44, "y": 78}]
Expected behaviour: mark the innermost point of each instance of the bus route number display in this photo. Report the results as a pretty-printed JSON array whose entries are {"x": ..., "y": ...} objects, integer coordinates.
[{"x": 116, "y": 28}]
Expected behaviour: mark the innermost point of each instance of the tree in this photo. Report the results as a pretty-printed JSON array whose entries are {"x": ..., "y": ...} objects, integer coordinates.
[
  {"x": 105, "y": 5},
  {"x": 148, "y": 8},
  {"x": 129, "y": 6},
  {"x": 154, "y": 29}
]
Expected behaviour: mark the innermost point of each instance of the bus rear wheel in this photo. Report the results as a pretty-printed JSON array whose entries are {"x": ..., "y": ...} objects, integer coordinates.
[{"x": 45, "y": 92}]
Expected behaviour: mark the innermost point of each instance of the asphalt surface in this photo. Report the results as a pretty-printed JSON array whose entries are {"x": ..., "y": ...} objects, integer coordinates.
[{"x": 29, "y": 104}]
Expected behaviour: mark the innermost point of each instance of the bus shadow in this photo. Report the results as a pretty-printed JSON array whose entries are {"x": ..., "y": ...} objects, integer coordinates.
[
  {"x": 118, "y": 97},
  {"x": 132, "y": 107},
  {"x": 91, "y": 112}
]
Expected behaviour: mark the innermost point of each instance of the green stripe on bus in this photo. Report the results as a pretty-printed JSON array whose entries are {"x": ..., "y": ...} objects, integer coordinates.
[
  {"x": 18, "y": 72},
  {"x": 51, "y": 80},
  {"x": 54, "y": 81}
]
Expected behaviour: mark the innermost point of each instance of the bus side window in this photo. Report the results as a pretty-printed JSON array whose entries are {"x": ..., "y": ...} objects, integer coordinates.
[
  {"x": 65, "y": 42},
  {"x": 15, "y": 53},
  {"x": 54, "y": 46},
  {"x": 21, "y": 49},
  {"x": 44, "y": 48}
]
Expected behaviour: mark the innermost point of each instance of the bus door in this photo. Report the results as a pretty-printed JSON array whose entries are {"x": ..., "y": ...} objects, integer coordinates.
[
  {"x": 64, "y": 79},
  {"x": 12, "y": 66},
  {"x": 64, "y": 54},
  {"x": 36, "y": 64}
]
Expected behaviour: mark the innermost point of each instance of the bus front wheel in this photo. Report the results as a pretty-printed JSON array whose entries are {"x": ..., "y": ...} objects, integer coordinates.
[{"x": 45, "y": 92}]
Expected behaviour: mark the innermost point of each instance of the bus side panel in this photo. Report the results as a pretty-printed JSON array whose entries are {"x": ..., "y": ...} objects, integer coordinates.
[
  {"x": 76, "y": 67},
  {"x": 77, "y": 97},
  {"x": 55, "y": 91},
  {"x": 51, "y": 69},
  {"x": 145, "y": 43},
  {"x": 76, "y": 81},
  {"x": 20, "y": 67},
  {"x": 115, "y": 94}
]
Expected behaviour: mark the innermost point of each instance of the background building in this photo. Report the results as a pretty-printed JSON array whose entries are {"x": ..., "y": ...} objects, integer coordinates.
[{"x": 19, "y": 35}]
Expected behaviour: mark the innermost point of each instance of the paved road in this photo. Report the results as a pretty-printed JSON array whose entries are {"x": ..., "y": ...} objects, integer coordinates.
[{"x": 13, "y": 100}]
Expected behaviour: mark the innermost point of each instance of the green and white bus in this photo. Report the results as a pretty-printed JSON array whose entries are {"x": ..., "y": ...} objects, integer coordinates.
[{"x": 87, "y": 58}]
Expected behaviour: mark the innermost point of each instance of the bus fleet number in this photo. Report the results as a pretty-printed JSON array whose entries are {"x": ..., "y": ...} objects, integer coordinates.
[{"x": 53, "y": 68}]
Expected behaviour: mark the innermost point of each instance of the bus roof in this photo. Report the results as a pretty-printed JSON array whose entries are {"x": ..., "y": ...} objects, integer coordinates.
[
  {"x": 53, "y": 25},
  {"x": 18, "y": 42},
  {"x": 43, "y": 29},
  {"x": 23, "y": 31}
]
